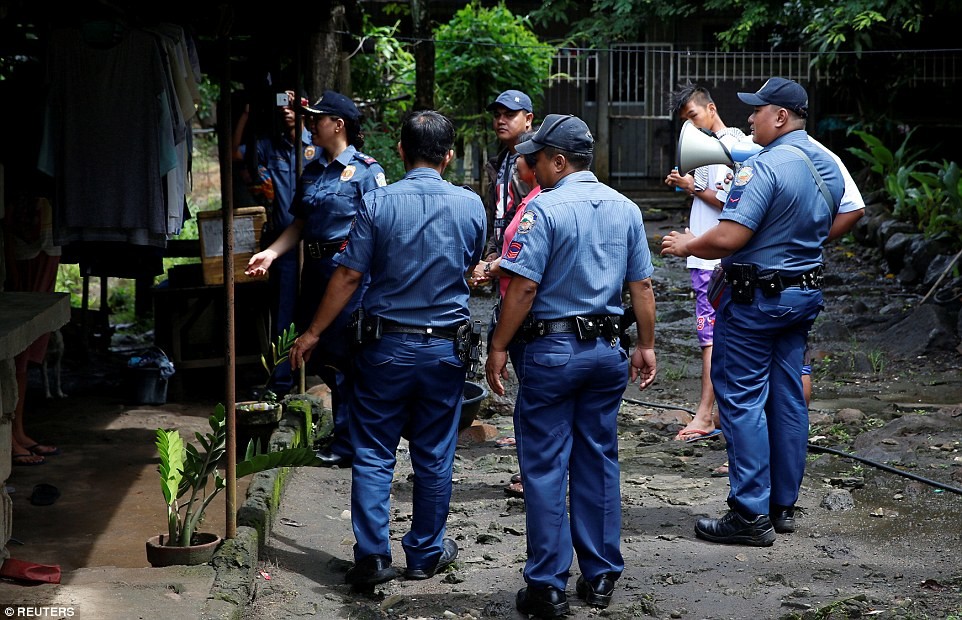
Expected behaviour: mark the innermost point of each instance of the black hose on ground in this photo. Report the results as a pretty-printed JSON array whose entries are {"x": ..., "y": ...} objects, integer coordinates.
[{"x": 816, "y": 448}]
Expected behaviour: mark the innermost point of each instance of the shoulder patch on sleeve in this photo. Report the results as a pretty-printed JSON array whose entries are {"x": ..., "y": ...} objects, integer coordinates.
[
  {"x": 380, "y": 179},
  {"x": 527, "y": 222},
  {"x": 744, "y": 175}
]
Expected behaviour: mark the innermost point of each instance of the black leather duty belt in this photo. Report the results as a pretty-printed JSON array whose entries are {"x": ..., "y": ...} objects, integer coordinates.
[
  {"x": 447, "y": 333},
  {"x": 586, "y": 327},
  {"x": 322, "y": 249},
  {"x": 775, "y": 283}
]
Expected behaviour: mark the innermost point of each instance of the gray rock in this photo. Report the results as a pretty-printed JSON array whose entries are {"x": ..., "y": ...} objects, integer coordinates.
[{"x": 838, "y": 499}]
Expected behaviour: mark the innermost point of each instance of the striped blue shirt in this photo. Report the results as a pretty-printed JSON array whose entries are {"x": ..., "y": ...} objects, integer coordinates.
[
  {"x": 775, "y": 195},
  {"x": 581, "y": 241},
  {"x": 417, "y": 237}
]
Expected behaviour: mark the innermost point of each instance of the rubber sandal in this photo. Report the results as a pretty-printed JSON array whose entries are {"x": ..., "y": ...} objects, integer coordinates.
[
  {"x": 25, "y": 463},
  {"x": 52, "y": 451}
]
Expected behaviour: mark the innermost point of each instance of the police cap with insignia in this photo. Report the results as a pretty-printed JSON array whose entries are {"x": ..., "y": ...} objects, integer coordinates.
[
  {"x": 513, "y": 100},
  {"x": 781, "y": 92},
  {"x": 334, "y": 103},
  {"x": 561, "y": 131}
]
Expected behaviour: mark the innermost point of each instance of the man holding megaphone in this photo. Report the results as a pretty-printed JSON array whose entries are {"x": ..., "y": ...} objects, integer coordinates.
[
  {"x": 694, "y": 105},
  {"x": 769, "y": 236}
]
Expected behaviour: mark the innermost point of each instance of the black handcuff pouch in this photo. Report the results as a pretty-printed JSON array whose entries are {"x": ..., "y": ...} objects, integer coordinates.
[{"x": 742, "y": 277}]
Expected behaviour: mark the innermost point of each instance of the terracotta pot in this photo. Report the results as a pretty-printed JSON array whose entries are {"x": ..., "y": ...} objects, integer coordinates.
[{"x": 159, "y": 554}]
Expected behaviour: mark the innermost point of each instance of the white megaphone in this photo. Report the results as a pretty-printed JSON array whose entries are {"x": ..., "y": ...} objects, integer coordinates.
[{"x": 699, "y": 147}]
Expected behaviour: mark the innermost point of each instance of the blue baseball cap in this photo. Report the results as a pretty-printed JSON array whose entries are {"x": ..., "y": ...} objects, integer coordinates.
[
  {"x": 781, "y": 92},
  {"x": 334, "y": 103},
  {"x": 562, "y": 131},
  {"x": 513, "y": 100}
]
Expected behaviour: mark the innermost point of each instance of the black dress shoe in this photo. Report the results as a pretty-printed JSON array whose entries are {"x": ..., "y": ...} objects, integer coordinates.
[
  {"x": 596, "y": 592},
  {"x": 371, "y": 570},
  {"x": 542, "y": 602},
  {"x": 783, "y": 519},
  {"x": 734, "y": 529},
  {"x": 331, "y": 459},
  {"x": 449, "y": 552}
]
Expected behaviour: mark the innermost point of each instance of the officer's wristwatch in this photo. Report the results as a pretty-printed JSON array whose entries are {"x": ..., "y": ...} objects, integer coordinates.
[{"x": 487, "y": 268}]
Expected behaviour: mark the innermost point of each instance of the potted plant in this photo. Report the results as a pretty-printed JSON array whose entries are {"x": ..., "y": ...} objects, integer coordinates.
[
  {"x": 257, "y": 418},
  {"x": 190, "y": 481}
]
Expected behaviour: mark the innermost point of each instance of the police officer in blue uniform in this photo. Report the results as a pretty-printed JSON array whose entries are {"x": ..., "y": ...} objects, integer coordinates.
[
  {"x": 577, "y": 244},
  {"x": 417, "y": 238},
  {"x": 769, "y": 238},
  {"x": 274, "y": 183},
  {"x": 327, "y": 198}
]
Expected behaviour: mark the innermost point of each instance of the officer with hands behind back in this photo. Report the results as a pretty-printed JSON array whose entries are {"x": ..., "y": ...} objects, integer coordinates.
[
  {"x": 327, "y": 198},
  {"x": 577, "y": 244},
  {"x": 769, "y": 238},
  {"x": 417, "y": 238}
]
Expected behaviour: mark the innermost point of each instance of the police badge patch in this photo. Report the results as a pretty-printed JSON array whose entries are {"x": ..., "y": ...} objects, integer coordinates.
[
  {"x": 309, "y": 152},
  {"x": 744, "y": 175},
  {"x": 348, "y": 173},
  {"x": 527, "y": 222}
]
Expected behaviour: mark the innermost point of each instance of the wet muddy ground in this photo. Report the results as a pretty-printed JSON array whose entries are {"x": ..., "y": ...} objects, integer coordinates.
[{"x": 870, "y": 542}]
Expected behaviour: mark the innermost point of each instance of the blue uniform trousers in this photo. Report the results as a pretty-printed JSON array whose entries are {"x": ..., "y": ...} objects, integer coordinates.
[
  {"x": 566, "y": 427},
  {"x": 757, "y": 374},
  {"x": 283, "y": 291},
  {"x": 411, "y": 384},
  {"x": 331, "y": 360}
]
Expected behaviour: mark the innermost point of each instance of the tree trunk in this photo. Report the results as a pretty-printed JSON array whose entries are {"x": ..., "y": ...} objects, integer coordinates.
[
  {"x": 324, "y": 64},
  {"x": 423, "y": 56}
]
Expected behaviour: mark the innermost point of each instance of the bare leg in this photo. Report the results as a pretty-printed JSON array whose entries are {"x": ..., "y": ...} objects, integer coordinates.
[
  {"x": 23, "y": 443},
  {"x": 704, "y": 421}
]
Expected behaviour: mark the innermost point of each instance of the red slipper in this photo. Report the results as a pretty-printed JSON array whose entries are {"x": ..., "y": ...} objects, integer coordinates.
[{"x": 30, "y": 572}]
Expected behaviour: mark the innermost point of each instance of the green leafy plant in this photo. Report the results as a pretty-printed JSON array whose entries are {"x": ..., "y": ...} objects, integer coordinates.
[
  {"x": 280, "y": 351},
  {"x": 190, "y": 479},
  {"x": 480, "y": 53}
]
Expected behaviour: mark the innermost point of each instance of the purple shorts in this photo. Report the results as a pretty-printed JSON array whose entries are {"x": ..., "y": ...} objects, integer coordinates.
[{"x": 704, "y": 313}]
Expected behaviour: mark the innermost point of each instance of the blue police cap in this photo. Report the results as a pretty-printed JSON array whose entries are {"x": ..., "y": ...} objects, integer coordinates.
[
  {"x": 781, "y": 92},
  {"x": 513, "y": 100},
  {"x": 562, "y": 131},
  {"x": 334, "y": 103}
]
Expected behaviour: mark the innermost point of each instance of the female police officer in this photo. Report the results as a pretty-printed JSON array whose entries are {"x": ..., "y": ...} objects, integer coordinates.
[{"x": 327, "y": 198}]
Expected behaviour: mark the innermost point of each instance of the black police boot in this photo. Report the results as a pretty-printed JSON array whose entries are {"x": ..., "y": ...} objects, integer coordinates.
[
  {"x": 542, "y": 602},
  {"x": 596, "y": 592},
  {"x": 783, "y": 518},
  {"x": 734, "y": 529},
  {"x": 449, "y": 552},
  {"x": 371, "y": 570}
]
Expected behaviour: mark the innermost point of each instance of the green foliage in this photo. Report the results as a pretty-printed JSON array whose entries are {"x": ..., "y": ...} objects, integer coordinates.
[
  {"x": 480, "y": 53},
  {"x": 384, "y": 80},
  {"x": 924, "y": 193},
  {"x": 185, "y": 469},
  {"x": 279, "y": 354}
]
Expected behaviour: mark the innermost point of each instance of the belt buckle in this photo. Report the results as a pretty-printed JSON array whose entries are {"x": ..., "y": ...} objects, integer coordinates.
[{"x": 313, "y": 249}]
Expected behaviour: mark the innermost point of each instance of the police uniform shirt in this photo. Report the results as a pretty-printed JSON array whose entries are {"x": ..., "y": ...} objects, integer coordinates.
[
  {"x": 331, "y": 192},
  {"x": 775, "y": 192},
  {"x": 581, "y": 241},
  {"x": 417, "y": 237},
  {"x": 279, "y": 158}
]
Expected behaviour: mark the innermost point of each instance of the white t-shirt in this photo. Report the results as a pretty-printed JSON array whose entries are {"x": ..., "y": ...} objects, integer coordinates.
[{"x": 704, "y": 215}]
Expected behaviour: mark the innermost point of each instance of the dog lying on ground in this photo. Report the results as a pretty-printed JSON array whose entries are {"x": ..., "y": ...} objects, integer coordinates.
[{"x": 53, "y": 361}]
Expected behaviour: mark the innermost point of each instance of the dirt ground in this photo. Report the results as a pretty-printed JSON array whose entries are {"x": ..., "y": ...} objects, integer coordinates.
[{"x": 870, "y": 541}]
